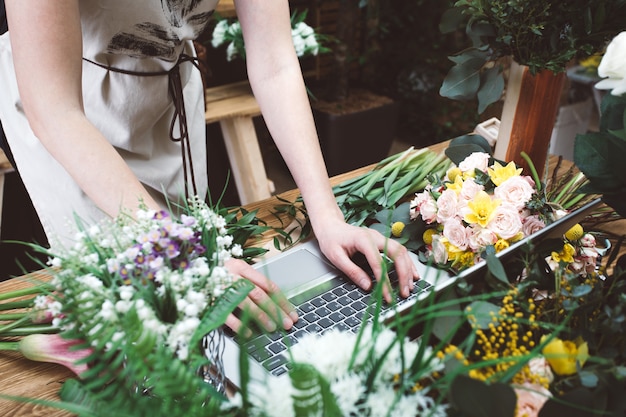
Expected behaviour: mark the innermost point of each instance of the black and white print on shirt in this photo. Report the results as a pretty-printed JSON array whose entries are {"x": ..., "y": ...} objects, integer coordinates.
[{"x": 187, "y": 19}]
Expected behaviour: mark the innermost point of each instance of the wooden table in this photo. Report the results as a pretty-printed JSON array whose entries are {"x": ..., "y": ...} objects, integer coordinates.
[{"x": 22, "y": 377}]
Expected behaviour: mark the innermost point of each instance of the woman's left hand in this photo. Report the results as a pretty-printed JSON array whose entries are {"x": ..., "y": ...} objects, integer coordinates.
[{"x": 340, "y": 242}]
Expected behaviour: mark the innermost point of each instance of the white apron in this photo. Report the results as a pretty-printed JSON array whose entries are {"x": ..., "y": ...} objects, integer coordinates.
[{"x": 133, "y": 112}]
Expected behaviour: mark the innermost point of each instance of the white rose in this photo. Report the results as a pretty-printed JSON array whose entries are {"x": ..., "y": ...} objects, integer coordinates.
[
  {"x": 506, "y": 222},
  {"x": 456, "y": 233},
  {"x": 515, "y": 191},
  {"x": 476, "y": 160},
  {"x": 447, "y": 206},
  {"x": 440, "y": 252},
  {"x": 613, "y": 66}
]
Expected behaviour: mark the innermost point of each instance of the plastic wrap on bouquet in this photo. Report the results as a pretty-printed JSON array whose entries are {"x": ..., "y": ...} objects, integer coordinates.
[{"x": 213, "y": 344}]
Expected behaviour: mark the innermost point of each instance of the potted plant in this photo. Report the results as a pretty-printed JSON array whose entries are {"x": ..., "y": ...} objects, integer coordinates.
[{"x": 541, "y": 39}]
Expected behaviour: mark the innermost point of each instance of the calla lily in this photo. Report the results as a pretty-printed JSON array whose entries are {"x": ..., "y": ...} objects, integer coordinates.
[
  {"x": 563, "y": 355},
  {"x": 55, "y": 349}
]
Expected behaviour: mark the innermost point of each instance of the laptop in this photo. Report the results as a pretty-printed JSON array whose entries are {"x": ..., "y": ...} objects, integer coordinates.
[{"x": 326, "y": 299}]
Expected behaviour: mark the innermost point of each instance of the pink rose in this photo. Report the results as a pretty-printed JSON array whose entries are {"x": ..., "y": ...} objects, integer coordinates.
[
  {"x": 515, "y": 191},
  {"x": 506, "y": 222},
  {"x": 530, "y": 399},
  {"x": 480, "y": 238},
  {"x": 424, "y": 205},
  {"x": 469, "y": 189},
  {"x": 456, "y": 233},
  {"x": 447, "y": 206},
  {"x": 532, "y": 224},
  {"x": 476, "y": 160}
]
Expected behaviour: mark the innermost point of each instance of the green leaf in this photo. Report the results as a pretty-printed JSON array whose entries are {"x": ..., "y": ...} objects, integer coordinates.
[
  {"x": 491, "y": 88},
  {"x": 451, "y": 20},
  {"x": 223, "y": 306},
  {"x": 463, "y": 80},
  {"x": 312, "y": 395},
  {"x": 496, "y": 268},
  {"x": 476, "y": 399},
  {"x": 591, "y": 156}
]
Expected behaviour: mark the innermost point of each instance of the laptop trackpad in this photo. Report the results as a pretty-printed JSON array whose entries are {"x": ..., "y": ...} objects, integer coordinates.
[{"x": 298, "y": 271}]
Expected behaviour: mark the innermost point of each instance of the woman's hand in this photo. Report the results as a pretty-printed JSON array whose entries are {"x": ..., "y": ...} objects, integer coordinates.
[
  {"x": 341, "y": 241},
  {"x": 265, "y": 304}
]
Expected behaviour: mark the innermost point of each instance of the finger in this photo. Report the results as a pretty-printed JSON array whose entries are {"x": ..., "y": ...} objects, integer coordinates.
[
  {"x": 404, "y": 266},
  {"x": 283, "y": 311}
]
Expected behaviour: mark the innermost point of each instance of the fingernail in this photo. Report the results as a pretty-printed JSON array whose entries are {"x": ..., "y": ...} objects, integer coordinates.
[
  {"x": 294, "y": 316},
  {"x": 407, "y": 290},
  {"x": 287, "y": 323},
  {"x": 365, "y": 283},
  {"x": 270, "y": 326}
]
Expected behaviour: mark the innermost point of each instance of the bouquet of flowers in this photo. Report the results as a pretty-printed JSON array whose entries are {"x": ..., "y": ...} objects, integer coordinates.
[
  {"x": 139, "y": 302},
  {"x": 480, "y": 205},
  {"x": 306, "y": 41}
]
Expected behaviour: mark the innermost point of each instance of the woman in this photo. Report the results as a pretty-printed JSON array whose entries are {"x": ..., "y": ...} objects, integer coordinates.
[{"x": 92, "y": 108}]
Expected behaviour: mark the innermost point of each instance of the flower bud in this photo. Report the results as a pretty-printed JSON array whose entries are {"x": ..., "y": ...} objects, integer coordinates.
[{"x": 54, "y": 348}]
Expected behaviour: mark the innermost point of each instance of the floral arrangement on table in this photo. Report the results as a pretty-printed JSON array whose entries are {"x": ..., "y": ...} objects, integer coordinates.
[
  {"x": 546, "y": 35},
  {"x": 136, "y": 299},
  {"x": 306, "y": 41},
  {"x": 480, "y": 206}
]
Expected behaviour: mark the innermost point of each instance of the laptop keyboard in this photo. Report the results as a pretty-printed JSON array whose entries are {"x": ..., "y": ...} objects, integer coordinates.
[{"x": 344, "y": 308}]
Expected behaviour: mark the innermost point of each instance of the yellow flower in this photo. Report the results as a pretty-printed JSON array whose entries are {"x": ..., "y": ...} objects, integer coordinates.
[
  {"x": 501, "y": 245},
  {"x": 457, "y": 185},
  {"x": 566, "y": 255},
  {"x": 575, "y": 233},
  {"x": 427, "y": 237},
  {"x": 499, "y": 174},
  {"x": 454, "y": 173},
  {"x": 563, "y": 355},
  {"x": 482, "y": 209},
  {"x": 397, "y": 228}
]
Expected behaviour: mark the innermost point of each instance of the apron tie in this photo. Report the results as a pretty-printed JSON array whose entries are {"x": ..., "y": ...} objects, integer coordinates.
[{"x": 175, "y": 87}]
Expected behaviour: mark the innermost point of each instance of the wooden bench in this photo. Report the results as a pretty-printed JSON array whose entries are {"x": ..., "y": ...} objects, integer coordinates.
[{"x": 234, "y": 106}]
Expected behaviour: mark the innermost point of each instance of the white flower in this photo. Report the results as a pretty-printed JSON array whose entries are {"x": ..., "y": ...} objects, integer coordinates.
[
  {"x": 231, "y": 52},
  {"x": 613, "y": 66},
  {"x": 440, "y": 253},
  {"x": 349, "y": 389},
  {"x": 476, "y": 160},
  {"x": 218, "y": 33}
]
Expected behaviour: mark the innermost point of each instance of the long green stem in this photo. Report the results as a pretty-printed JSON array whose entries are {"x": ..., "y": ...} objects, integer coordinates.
[
  {"x": 533, "y": 171},
  {"x": 9, "y": 346},
  {"x": 38, "y": 289},
  {"x": 12, "y": 316},
  {"x": 17, "y": 304},
  {"x": 14, "y": 325},
  {"x": 25, "y": 331}
]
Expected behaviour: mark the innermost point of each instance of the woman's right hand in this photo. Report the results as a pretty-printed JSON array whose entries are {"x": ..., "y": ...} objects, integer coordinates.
[{"x": 266, "y": 305}]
